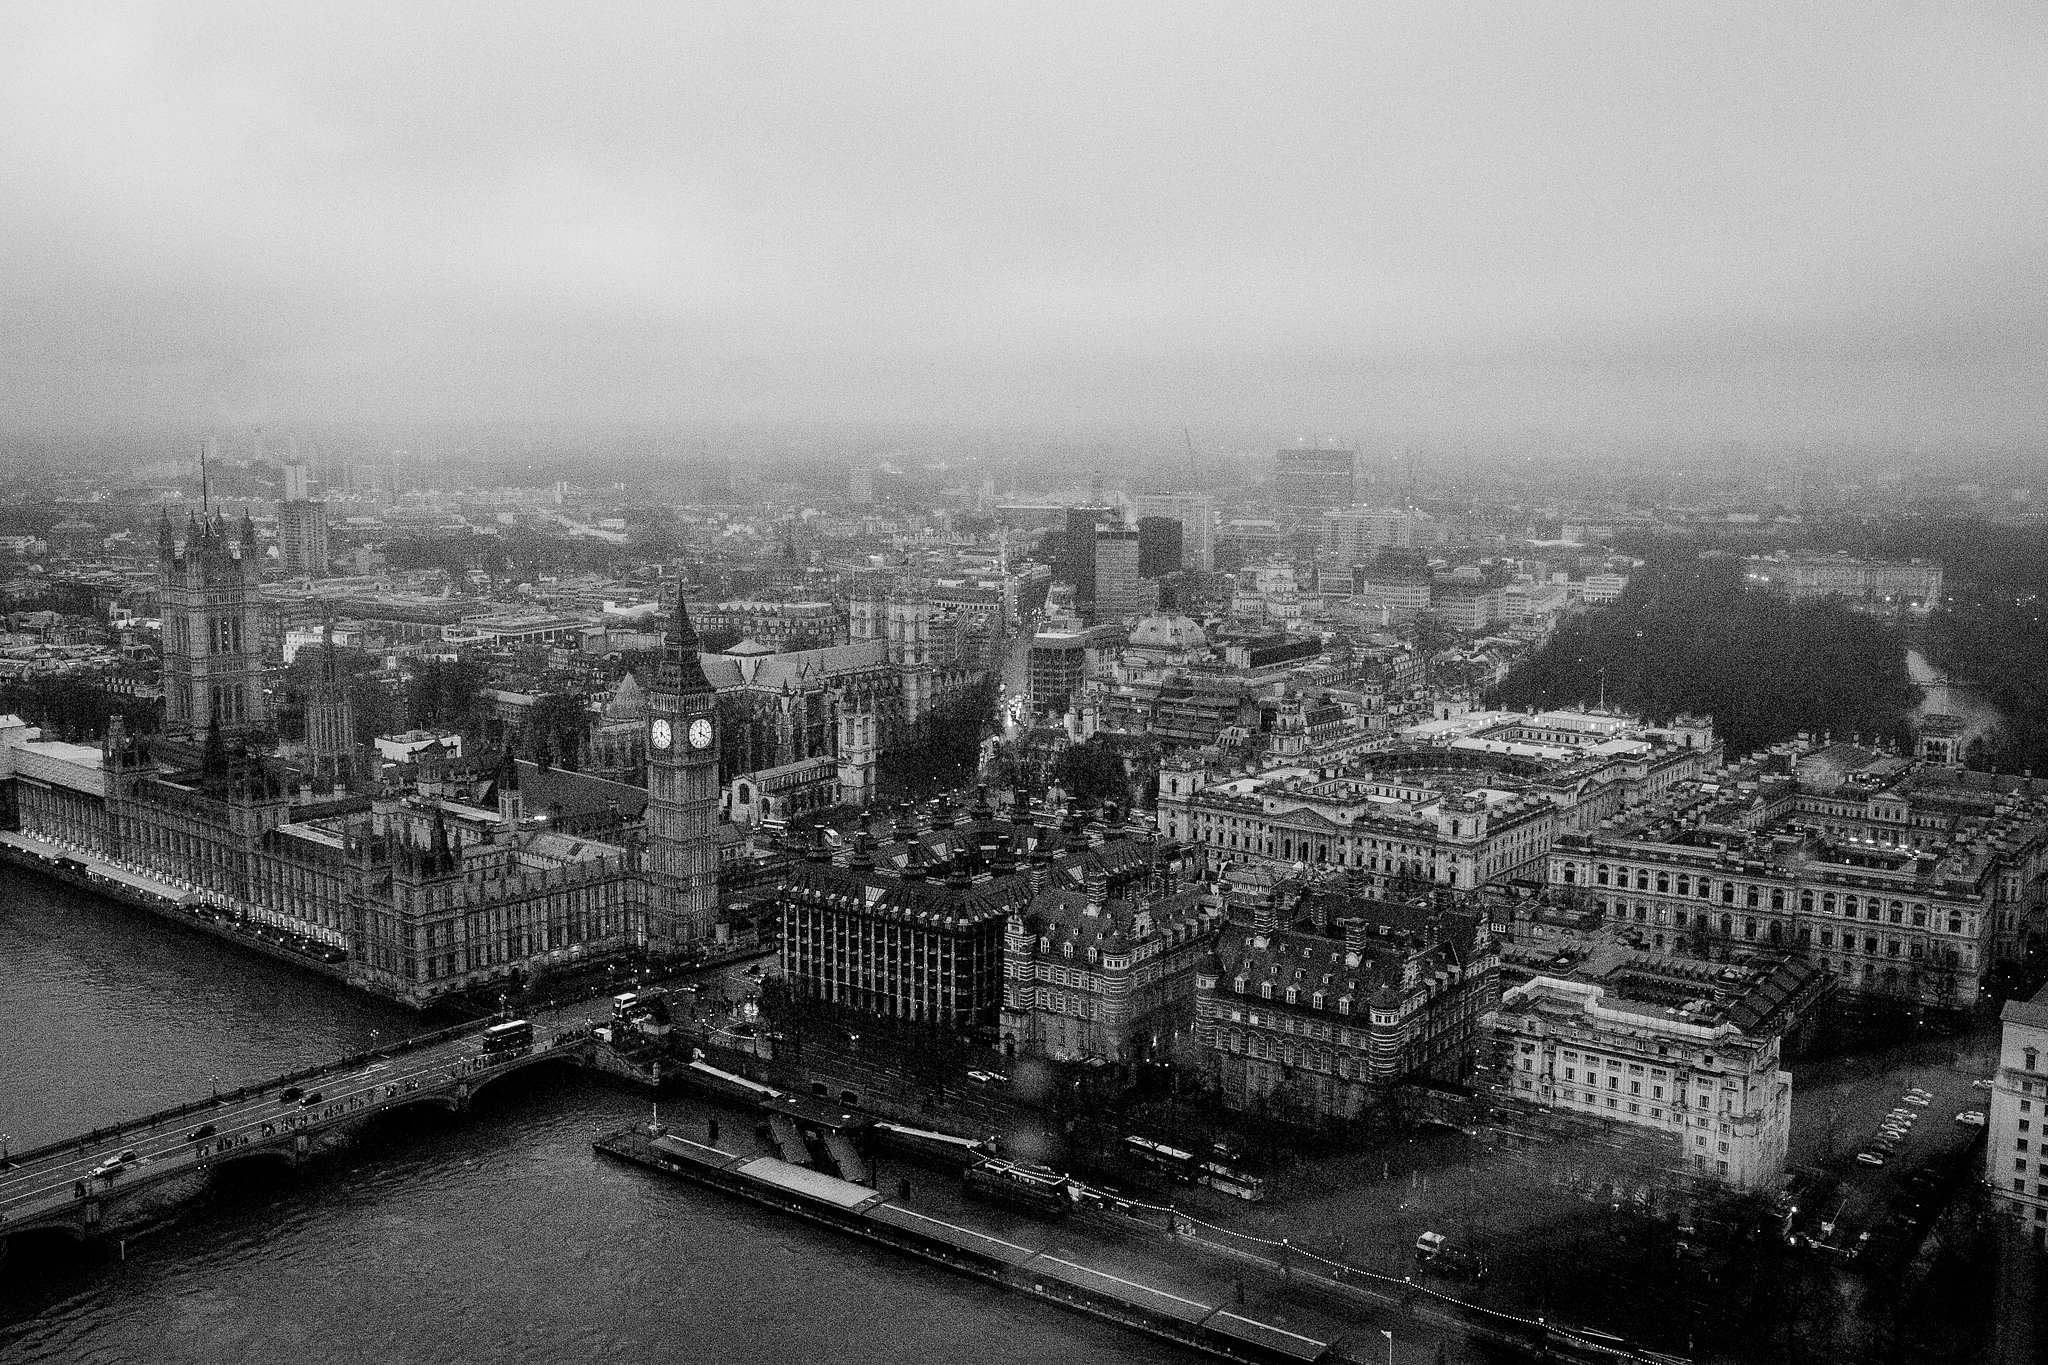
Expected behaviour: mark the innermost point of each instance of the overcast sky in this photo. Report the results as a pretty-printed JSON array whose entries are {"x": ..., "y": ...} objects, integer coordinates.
[{"x": 1799, "y": 221}]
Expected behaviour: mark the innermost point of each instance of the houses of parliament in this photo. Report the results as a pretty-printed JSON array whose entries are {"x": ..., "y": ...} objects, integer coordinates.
[{"x": 448, "y": 885}]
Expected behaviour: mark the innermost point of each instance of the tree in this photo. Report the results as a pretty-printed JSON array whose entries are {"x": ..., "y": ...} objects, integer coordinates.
[
  {"x": 1091, "y": 772},
  {"x": 1689, "y": 636},
  {"x": 558, "y": 727},
  {"x": 1431, "y": 635},
  {"x": 443, "y": 695}
]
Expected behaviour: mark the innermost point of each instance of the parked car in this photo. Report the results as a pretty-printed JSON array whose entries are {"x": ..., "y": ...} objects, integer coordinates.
[
  {"x": 1971, "y": 1118},
  {"x": 1923, "y": 1094},
  {"x": 1981, "y": 1083},
  {"x": 1869, "y": 1158},
  {"x": 1429, "y": 1244},
  {"x": 1918, "y": 1102}
]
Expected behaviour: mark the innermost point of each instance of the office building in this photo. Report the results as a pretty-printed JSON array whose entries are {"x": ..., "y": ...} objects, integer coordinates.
[
  {"x": 302, "y": 546},
  {"x": 1310, "y": 480},
  {"x": 1321, "y": 1022},
  {"x": 1159, "y": 546},
  {"x": 1695, "y": 1067},
  {"x": 1353, "y": 535},
  {"x": 2016, "y": 1137},
  {"x": 1076, "y": 564},
  {"x": 1119, "y": 591},
  {"x": 1196, "y": 513}
]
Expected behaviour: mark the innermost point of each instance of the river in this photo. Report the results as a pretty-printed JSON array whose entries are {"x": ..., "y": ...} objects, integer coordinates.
[{"x": 494, "y": 1236}]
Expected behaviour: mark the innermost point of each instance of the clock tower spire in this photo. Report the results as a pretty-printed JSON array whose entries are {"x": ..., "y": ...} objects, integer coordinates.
[{"x": 682, "y": 792}]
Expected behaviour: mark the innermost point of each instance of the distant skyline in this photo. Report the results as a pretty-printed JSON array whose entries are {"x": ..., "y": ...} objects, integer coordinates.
[{"x": 1806, "y": 224}]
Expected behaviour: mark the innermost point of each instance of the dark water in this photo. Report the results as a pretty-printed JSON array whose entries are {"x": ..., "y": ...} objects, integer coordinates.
[{"x": 494, "y": 1236}]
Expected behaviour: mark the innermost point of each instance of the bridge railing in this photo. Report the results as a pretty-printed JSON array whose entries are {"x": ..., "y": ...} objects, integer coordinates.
[{"x": 150, "y": 1121}]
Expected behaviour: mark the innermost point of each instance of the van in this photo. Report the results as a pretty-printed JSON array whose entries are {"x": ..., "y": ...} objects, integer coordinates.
[{"x": 1429, "y": 1244}]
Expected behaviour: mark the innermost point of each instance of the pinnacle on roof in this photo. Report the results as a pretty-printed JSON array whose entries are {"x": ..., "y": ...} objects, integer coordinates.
[{"x": 680, "y": 669}]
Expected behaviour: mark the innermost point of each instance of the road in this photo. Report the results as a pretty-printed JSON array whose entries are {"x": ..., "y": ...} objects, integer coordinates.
[{"x": 34, "y": 1189}]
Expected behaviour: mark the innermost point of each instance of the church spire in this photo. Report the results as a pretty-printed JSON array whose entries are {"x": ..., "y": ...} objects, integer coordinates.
[{"x": 680, "y": 669}]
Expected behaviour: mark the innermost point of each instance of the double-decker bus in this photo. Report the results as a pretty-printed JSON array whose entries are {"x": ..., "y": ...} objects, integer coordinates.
[
  {"x": 1186, "y": 1166},
  {"x": 509, "y": 1036}
]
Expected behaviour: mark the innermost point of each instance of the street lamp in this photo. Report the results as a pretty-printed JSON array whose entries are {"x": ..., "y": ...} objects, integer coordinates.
[
  {"x": 6, "y": 1148},
  {"x": 216, "y": 1086},
  {"x": 1390, "y": 1345}
]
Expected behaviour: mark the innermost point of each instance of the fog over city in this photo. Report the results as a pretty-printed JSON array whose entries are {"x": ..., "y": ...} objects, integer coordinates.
[
  {"x": 1815, "y": 223},
  {"x": 1285, "y": 683}
]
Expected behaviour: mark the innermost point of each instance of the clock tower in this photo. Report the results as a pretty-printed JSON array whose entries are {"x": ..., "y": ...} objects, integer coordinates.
[{"x": 682, "y": 794}]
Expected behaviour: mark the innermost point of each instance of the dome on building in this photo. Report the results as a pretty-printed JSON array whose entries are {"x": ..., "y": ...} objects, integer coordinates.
[
  {"x": 629, "y": 701},
  {"x": 1160, "y": 631}
]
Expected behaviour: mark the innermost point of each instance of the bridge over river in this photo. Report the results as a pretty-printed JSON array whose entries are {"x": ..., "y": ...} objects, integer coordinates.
[{"x": 73, "y": 1186}]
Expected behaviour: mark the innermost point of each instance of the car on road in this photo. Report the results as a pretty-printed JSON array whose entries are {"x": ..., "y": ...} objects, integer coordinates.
[
  {"x": 1981, "y": 1083},
  {"x": 1971, "y": 1118},
  {"x": 291, "y": 1092},
  {"x": 988, "y": 1077},
  {"x": 310, "y": 1100},
  {"x": 1870, "y": 1158},
  {"x": 204, "y": 1130},
  {"x": 113, "y": 1166}
]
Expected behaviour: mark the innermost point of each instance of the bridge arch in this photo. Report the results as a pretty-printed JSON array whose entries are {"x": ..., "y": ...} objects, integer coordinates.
[
  {"x": 67, "y": 1227},
  {"x": 274, "y": 1149},
  {"x": 554, "y": 1056}
]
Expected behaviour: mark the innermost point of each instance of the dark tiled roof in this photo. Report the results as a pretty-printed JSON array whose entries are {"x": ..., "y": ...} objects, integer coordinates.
[
  {"x": 576, "y": 793},
  {"x": 1789, "y": 988}
]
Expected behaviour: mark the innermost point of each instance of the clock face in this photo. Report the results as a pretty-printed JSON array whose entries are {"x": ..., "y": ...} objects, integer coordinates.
[
  {"x": 700, "y": 733},
  {"x": 660, "y": 734}
]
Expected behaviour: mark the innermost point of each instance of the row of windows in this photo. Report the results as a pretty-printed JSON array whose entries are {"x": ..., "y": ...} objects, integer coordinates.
[{"x": 1754, "y": 897}]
